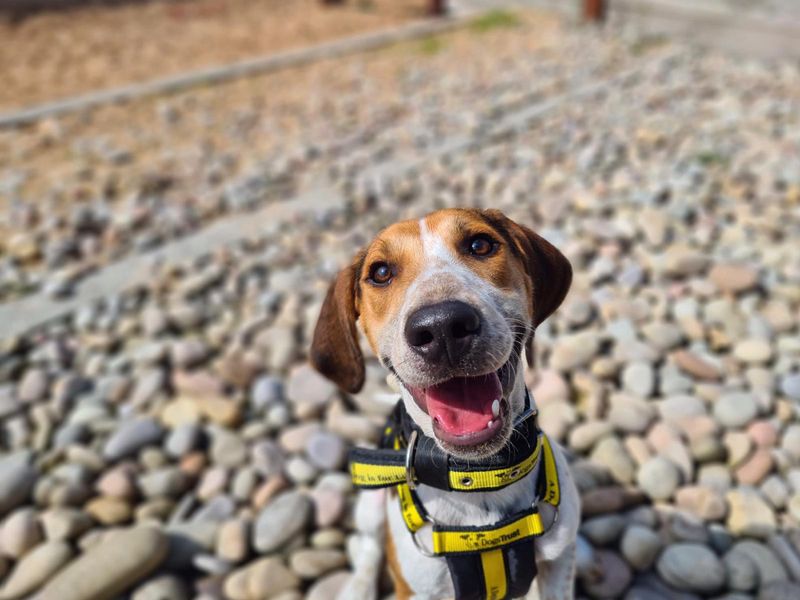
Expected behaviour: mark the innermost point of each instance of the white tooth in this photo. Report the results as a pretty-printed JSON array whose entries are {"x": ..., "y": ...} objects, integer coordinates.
[
  {"x": 495, "y": 408},
  {"x": 489, "y": 424}
]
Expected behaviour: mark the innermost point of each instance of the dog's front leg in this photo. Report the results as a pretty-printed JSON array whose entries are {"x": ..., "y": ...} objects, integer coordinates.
[
  {"x": 555, "y": 551},
  {"x": 365, "y": 548},
  {"x": 556, "y": 577}
]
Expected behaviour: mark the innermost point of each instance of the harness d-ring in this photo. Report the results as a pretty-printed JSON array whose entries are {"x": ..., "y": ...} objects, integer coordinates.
[
  {"x": 422, "y": 549},
  {"x": 410, "y": 473},
  {"x": 412, "y": 485}
]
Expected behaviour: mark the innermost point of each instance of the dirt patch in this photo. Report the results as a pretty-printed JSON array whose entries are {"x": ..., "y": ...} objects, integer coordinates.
[{"x": 53, "y": 55}]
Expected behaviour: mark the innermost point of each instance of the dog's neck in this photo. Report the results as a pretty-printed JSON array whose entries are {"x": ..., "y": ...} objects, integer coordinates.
[{"x": 476, "y": 508}]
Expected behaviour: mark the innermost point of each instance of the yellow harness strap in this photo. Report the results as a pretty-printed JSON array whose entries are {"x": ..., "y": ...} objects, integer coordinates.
[
  {"x": 494, "y": 574},
  {"x": 479, "y": 539},
  {"x": 552, "y": 489},
  {"x": 489, "y": 480},
  {"x": 370, "y": 475},
  {"x": 410, "y": 508}
]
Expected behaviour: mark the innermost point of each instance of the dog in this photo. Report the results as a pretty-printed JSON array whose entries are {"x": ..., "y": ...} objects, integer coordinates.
[{"x": 449, "y": 304}]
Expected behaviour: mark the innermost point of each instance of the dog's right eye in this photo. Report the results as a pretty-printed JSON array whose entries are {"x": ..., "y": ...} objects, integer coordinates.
[{"x": 380, "y": 274}]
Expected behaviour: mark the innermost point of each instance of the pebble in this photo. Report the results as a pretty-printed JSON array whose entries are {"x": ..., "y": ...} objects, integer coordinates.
[
  {"x": 630, "y": 414},
  {"x": 35, "y": 568},
  {"x": 266, "y": 391},
  {"x": 610, "y": 453},
  {"x": 574, "y": 351},
  {"x": 308, "y": 388},
  {"x": 603, "y": 530},
  {"x": 329, "y": 586},
  {"x": 639, "y": 379},
  {"x": 167, "y": 482},
  {"x": 110, "y": 566},
  {"x": 117, "y": 483},
  {"x": 233, "y": 540},
  {"x": 329, "y": 505},
  {"x": 691, "y": 567},
  {"x": 741, "y": 572},
  {"x": 267, "y": 458},
  {"x": 33, "y": 387},
  {"x": 228, "y": 449},
  {"x": 775, "y": 490},
  {"x": 265, "y": 578},
  {"x": 696, "y": 366},
  {"x": 64, "y": 524},
  {"x": 314, "y": 563},
  {"x": 733, "y": 278},
  {"x": 584, "y": 436},
  {"x": 280, "y": 521},
  {"x": 326, "y": 451},
  {"x": 749, "y": 514},
  {"x": 753, "y": 351},
  {"x": 640, "y": 546},
  {"x": 17, "y": 478},
  {"x": 131, "y": 437},
  {"x": 790, "y": 386},
  {"x": 612, "y": 576},
  {"x": 658, "y": 478},
  {"x": 768, "y": 565},
  {"x": 704, "y": 502},
  {"x": 188, "y": 353},
  {"x": 735, "y": 409},
  {"x": 794, "y": 507},
  {"x": 755, "y": 468},
  {"x": 779, "y": 590},
  {"x": 20, "y": 532},
  {"x": 163, "y": 587},
  {"x": 109, "y": 511},
  {"x": 790, "y": 442},
  {"x": 183, "y": 439},
  {"x": 212, "y": 482}
]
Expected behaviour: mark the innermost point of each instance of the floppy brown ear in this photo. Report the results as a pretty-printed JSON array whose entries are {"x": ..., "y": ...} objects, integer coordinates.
[
  {"x": 334, "y": 350},
  {"x": 549, "y": 270}
]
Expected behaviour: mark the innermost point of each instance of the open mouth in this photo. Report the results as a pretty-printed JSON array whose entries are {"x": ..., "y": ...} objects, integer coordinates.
[{"x": 466, "y": 411}]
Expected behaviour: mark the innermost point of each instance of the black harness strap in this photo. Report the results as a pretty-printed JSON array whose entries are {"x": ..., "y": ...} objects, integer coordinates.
[{"x": 431, "y": 466}]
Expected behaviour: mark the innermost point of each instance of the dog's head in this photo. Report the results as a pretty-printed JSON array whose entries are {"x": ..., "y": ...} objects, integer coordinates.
[{"x": 448, "y": 303}]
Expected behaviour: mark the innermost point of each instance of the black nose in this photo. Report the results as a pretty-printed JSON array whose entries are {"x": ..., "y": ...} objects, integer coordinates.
[{"x": 443, "y": 331}]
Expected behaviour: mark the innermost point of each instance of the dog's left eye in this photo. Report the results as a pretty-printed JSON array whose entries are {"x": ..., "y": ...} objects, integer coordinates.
[
  {"x": 380, "y": 274},
  {"x": 482, "y": 245}
]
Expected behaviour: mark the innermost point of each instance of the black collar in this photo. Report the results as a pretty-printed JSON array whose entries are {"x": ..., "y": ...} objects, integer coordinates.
[{"x": 406, "y": 455}]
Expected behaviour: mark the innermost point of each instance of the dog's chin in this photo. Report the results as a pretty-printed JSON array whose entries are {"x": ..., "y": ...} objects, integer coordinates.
[{"x": 470, "y": 415}]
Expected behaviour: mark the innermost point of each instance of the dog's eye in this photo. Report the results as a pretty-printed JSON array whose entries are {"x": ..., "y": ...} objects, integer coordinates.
[
  {"x": 482, "y": 245},
  {"x": 380, "y": 274}
]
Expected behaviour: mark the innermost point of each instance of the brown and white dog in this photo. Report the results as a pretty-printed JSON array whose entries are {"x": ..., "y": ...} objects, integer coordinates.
[{"x": 449, "y": 303}]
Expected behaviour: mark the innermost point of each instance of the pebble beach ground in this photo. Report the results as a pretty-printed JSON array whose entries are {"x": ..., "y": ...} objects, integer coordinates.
[{"x": 171, "y": 442}]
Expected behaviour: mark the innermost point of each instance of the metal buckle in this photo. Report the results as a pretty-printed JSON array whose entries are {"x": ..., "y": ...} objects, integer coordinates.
[
  {"x": 525, "y": 414},
  {"x": 422, "y": 549},
  {"x": 530, "y": 409},
  {"x": 412, "y": 485},
  {"x": 410, "y": 474}
]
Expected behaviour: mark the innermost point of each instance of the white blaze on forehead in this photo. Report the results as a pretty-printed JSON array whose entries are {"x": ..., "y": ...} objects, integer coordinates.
[
  {"x": 439, "y": 260},
  {"x": 434, "y": 246}
]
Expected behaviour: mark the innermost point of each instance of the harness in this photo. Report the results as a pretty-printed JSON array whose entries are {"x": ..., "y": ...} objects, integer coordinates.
[{"x": 485, "y": 563}]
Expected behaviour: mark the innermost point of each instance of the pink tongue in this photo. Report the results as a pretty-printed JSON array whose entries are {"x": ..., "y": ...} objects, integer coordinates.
[{"x": 463, "y": 405}]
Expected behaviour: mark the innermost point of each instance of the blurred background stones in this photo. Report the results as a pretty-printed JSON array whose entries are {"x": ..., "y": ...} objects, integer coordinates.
[{"x": 170, "y": 441}]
